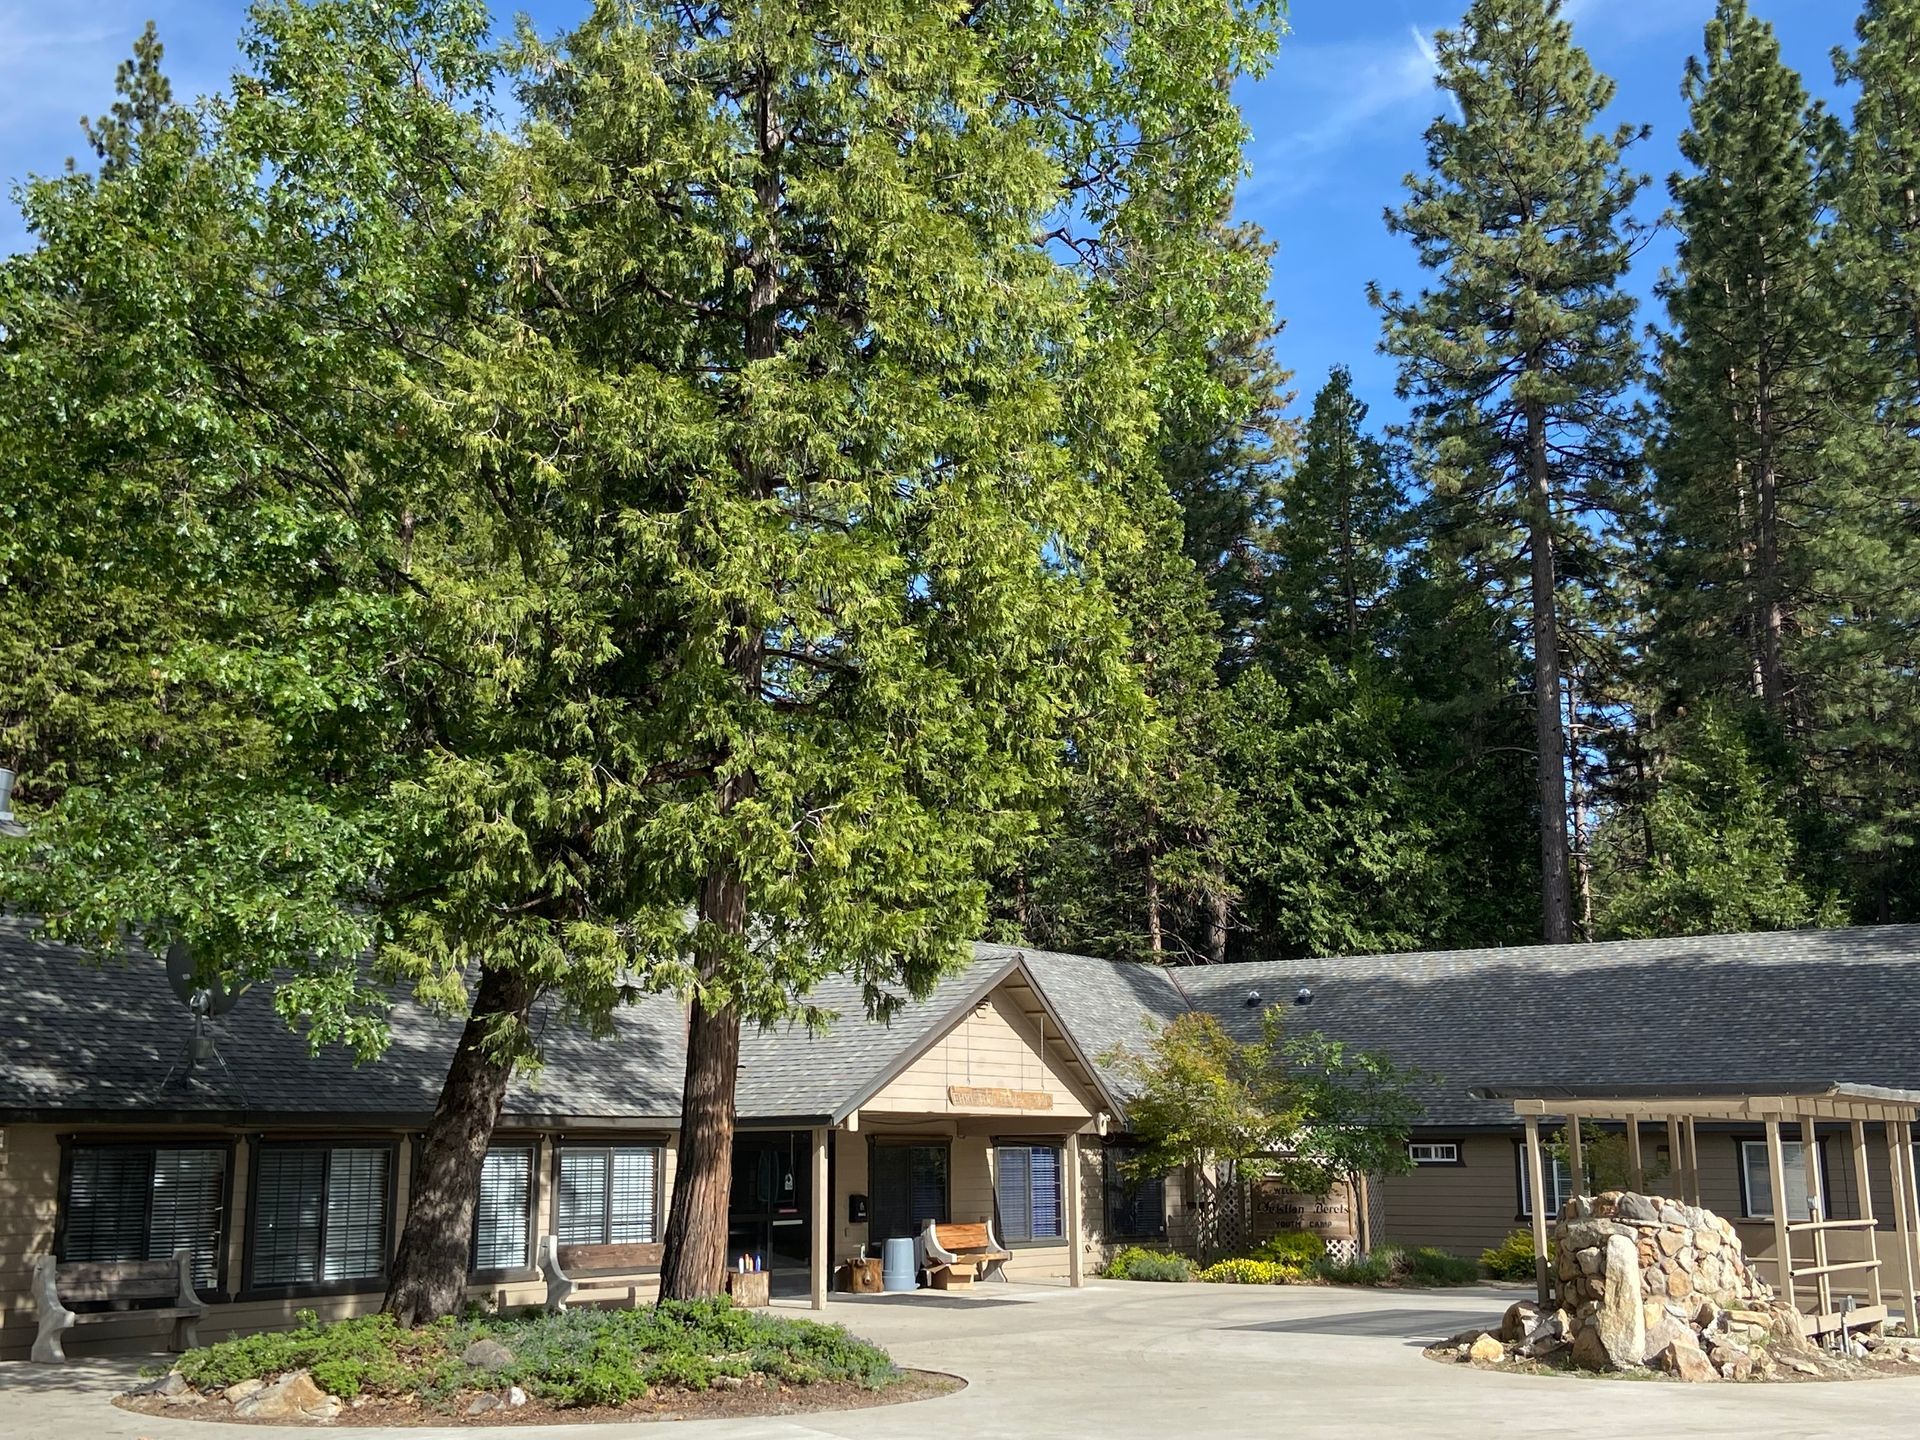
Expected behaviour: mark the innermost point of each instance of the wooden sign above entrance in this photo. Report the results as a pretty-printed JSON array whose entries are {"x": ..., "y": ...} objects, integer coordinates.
[{"x": 998, "y": 1097}]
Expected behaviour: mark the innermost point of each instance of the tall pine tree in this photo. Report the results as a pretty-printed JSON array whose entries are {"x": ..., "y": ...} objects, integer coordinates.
[{"x": 1519, "y": 358}]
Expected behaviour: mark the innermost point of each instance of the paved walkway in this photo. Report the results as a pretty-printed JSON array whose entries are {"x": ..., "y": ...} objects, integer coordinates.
[{"x": 1115, "y": 1361}]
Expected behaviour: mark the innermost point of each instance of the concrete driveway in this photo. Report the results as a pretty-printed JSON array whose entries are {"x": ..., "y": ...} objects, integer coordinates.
[{"x": 1163, "y": 1361}]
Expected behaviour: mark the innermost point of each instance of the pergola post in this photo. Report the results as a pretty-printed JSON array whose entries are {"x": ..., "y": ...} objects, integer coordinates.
[
  {"x": 822, "y": 1218},
  {"x": 1076, "y": 1240},
  {"x": 1543, "y": 1276},
  {"x": 1777, "y": 1176},
  {"x": 1863, "y": 1183},
  {"x": 1576, "y": 1162},
  {"x": 1899, "y": 1163},
  {"x": 1817, "y": 1211},
  {"x": 1636, "y": 1172}
]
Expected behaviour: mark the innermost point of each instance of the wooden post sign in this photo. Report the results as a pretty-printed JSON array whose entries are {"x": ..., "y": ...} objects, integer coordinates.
[{"x": 1276, "y": 1208}]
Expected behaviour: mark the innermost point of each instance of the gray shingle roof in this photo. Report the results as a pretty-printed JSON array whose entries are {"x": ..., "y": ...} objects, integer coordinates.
[
  {"x": 79, "y": 1038},
  {"x": 1102, "y": 1003},
  {"x": 1753, "y": 1010},
  {"x": 787, "y": 1073}
]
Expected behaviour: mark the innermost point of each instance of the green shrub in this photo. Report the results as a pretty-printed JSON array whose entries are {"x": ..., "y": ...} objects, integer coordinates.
[
  {"x": 1243, "y": 1271},
  {"x": 1295, "y": 1249},
  {"x": 584, "y": 1357},
  {"x": 1512, "y": 1258},
  {"x": 1428, "y": 1266},
  {"x": 1136, "y": 1262},
  {"x": 1398, "y": 1265}
]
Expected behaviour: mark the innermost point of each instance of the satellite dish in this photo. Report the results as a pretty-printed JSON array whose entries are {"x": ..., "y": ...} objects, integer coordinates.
[{"x": 204, "y": 996}]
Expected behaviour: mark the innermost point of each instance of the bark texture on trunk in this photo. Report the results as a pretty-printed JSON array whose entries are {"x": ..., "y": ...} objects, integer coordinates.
[
  {"x": 1550, "y": 769},
  {"x": 429, "y": 1277},
  {"x": 1217, "y": 924},
  {"x": 1156, "y": 935},
  {"x": 695, "y": 1259}
]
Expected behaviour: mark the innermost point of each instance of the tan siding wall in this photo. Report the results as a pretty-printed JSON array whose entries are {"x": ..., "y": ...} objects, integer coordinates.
[
  {"x": 29, "y": 1191},
  {"x": 993, "y": 1046},
  {"x": 1462, "y": 1208}
]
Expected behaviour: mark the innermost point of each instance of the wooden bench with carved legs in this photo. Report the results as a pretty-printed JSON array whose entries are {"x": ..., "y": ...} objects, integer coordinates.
[
  {"x": 583, "y": 1272},
  {"x": 957, "y": 1255},
  {"x": 120, "y": 1284}
]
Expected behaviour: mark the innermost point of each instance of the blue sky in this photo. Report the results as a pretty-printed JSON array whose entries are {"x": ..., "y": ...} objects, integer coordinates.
[{"x": 1336, "y": 125}]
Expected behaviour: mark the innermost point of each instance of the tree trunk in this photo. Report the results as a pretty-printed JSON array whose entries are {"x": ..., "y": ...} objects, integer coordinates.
[
  {"x": 695, "y": 1259},
  {"x": 1217, "y": 923},
  {"x": 1156, "y": 937},
  {"x": 1550, "y": 768},
  {"x": 429, "y": 1278},
  {"x": 1581, "y": 856},
  {"x": 694, "y": 1262}
]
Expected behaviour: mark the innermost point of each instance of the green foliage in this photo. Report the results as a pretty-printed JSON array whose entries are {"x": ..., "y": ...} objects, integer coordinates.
[
  {"x": 1418, "y": 1266},
  {"x": 1250, "y": 1272},
  {"x": 1291, "y": 1247},
  {"x": 1306, "y": 1109},
  {"x": 1136, "y": 1262},
  {"x": 584, "y": 1357},
  {"x": 1512, "y": 1258},
  {"x": 1519, "y": 359},
  {"x": 1712, "y": 852}
]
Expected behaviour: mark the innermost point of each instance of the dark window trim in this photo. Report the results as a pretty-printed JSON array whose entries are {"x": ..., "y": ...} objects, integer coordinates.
[
  {"x": 1112, "y": 1178},
  {"x": 607, "y": 1147},
  {"x": 525, "y": 1270},
  {"x": 910, "y": 1142},
  {"x": 1520, "y": 1213},
  {"x": 1742, "y": 1138},
  {"x": 1459, "y": 1153},
  {"x": 1033, "y": 1142},
  {"x": 361, "y": 1285},
  {"x": 190, "y": 1140}
]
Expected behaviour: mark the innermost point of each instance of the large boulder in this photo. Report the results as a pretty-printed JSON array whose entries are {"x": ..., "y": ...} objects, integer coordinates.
[
  {"x": 293, "y": 1396},
  {"x": 1620, "y": 1322}
]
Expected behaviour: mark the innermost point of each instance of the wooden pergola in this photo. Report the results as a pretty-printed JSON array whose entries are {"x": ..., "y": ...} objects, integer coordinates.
[{"x": 1681, "y": 1109}]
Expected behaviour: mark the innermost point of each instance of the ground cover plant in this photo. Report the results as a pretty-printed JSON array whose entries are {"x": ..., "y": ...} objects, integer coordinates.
[
  {"x": 1297, "y": 1258},
  {"x": 1137, "y": 1262},
  {"x": 581, "y": 1358}
]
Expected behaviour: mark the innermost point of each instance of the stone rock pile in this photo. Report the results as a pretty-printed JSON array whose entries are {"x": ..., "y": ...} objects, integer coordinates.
[{"x": 1646, "y": 1281}]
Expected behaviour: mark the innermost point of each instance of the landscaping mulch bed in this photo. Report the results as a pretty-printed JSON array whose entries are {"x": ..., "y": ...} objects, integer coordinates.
[{"x": 664, "y": 1403}]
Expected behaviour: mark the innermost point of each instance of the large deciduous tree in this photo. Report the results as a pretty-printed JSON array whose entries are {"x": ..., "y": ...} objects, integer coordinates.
[{"x": 1519, "y": 358}]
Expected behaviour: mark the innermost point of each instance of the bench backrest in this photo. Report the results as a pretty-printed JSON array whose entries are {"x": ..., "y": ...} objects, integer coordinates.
[
  {"x": 578, "y": 1259},
  {"x": 117, "y": 1280},
  {"x": 957, "y": 1238}
]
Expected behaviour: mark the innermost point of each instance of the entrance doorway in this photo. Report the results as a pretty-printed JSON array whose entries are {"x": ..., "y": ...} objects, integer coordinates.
[{"x": 770, "y": 1209}]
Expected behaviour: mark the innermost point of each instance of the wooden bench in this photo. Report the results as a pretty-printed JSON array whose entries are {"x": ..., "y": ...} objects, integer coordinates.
[
  {"x": 593, "y": 1271},
  {"x": 957, "y": 1255},
  {"x": 119, "y": 1284}
]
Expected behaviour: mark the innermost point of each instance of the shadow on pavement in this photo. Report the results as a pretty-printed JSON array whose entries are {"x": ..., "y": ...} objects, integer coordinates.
[{"x": 1416, "y": 1327}]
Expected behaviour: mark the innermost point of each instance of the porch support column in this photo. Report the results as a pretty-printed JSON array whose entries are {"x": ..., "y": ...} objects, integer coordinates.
[
  {"x": 1693, "y": 1163},
  {"x": 822, "y": 1217},
  {"x": 1576, "y": 1158},
  {"x": 1536, "y": 1175},
  {"x": 1777, "y": 1177},
  {"x": 1636, "y": 1172},
  {"x": 1863, "y": 1184},
  {"x": 1076, "y": 1240},
  {"x": 1817, "y": 1210},
  {"x": 1898, "y": 1156}
]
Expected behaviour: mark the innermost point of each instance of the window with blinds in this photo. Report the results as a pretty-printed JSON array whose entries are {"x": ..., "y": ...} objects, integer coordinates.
[
  {"x": 1027, "y": 1190},
  {"x": 608, "y": 1194},
  {"x": 907, "y": 1187},
  {"x": 1136, "y": 1207},
  {"x": 143, "y": 1202},
  {"x": 319, "y": 1214},
  {"x": 501, "y": 1213}
]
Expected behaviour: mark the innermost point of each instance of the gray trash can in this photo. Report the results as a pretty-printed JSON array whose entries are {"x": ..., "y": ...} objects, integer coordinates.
[{"x": 897, "y": 1271}]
